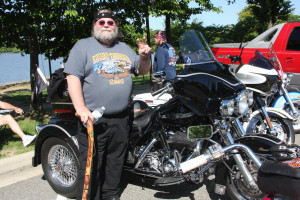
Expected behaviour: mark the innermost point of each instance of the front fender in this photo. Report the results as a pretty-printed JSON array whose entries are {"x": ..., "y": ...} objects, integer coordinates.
[
  {"x": 259, "y": 143},
  {"x": 281, "y": 113},
  {"x": 280, "y": 102},
  {"x": 64, "y": 132}
]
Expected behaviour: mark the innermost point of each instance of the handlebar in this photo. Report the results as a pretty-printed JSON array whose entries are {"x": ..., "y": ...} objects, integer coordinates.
[
  {"x": 214, "y": 153},
  {"x": 159, "y": 91},
  {"x": 235, "y": 59},
  {"x": 163, "y": 89}
]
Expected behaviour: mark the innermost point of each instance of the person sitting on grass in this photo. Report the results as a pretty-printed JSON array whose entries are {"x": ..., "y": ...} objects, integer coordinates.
[{"x": 14, "y": 126}]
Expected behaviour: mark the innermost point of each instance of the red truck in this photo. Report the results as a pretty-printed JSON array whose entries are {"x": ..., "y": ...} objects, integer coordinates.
[{"x": 286, "y": 40}]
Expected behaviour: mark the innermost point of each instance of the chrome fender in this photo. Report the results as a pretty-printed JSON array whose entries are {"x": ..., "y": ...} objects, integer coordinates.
[
  {"x": 53, "y": 130},
  {"x": 280, "y": 102},
  {"x": 280, "y": 112}
]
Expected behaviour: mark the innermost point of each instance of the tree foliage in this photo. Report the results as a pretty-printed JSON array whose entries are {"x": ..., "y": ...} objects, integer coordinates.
[
  {"x": 44, "y": 26},
  {"x": 52, "y": 27},
  {"x": 267, "y": 12},
  {"x": 179, "y": 10}
]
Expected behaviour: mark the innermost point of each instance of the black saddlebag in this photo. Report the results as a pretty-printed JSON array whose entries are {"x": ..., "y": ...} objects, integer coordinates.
[{"x": 281, "y": 178}]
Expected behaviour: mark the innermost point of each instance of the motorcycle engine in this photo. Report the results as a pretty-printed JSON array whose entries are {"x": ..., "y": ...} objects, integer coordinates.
[
  {"x": 156, "y": 161},
  {"x": 179, "y": 140}
]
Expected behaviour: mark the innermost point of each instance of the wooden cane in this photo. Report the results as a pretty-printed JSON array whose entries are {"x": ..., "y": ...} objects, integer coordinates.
[{"x": 90, "y": 132}]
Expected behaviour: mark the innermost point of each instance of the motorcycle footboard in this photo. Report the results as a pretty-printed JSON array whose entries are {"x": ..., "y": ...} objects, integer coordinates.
[
  {"x": 280, "y": 178},
  {"x": 166, "y": 181}
]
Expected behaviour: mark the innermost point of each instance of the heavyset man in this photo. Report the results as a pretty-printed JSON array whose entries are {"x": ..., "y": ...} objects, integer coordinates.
[{"x": 99, "y": 72}]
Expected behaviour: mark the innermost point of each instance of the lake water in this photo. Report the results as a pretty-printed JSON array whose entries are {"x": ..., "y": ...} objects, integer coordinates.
[{"x": 16, "y": 68}]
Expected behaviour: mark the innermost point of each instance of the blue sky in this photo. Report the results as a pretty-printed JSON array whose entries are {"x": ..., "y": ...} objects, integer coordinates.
[{"x": 229, "y": 15}]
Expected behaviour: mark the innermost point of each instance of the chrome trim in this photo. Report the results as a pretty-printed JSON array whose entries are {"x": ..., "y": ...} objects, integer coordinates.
[
  {"x": 247, "y": 150},
  {"x": 227, "y": 107},
  {"x": 64, "y": 103},
  {"x": 144, "y": 152},
  {"x": 199, "y": 73}
]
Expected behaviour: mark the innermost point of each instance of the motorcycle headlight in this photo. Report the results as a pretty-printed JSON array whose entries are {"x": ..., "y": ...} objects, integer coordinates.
[
  {"x": 250, "y": 97},
  {"x": 227, "y": 107},
  {"x": 241, "y": 101}
]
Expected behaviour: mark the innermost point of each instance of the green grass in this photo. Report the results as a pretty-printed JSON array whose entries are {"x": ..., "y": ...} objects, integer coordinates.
[
  {"x": 141, "y": 80},
  {"x": 10, "y": 143}
]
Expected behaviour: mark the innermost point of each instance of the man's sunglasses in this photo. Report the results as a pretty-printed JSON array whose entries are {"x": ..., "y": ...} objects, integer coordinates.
[{"x": 109, "y": 23}]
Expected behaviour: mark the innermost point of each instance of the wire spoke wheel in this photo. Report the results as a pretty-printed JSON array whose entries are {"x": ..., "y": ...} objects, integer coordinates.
[{"x": 60, "y": 165}]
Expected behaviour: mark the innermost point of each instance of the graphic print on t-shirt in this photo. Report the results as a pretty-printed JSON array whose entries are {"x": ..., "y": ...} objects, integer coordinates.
[
  {"x": 172, "y": 56},
  {"x": 114, "y": 66}
]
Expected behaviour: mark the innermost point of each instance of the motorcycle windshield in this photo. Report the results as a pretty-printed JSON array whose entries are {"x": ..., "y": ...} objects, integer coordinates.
[
  {"x": 275, "y": 61},
  {"x": 204, "y": 81},
  {"x": 194, "y": 48},
  {"x": 259, "y": 60}
]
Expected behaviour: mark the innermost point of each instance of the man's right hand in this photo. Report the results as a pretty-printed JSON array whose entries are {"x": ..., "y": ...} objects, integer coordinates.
[{"x": 84, "y": 113}]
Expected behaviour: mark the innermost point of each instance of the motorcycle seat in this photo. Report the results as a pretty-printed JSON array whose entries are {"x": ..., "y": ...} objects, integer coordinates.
[{"x": 142, "y": 121}]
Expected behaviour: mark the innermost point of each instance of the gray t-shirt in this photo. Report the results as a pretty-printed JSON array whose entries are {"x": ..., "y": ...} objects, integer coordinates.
[{"x": 105, "y": 73}]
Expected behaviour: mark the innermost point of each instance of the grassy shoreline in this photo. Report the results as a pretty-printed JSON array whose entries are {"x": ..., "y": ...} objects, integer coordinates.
[{"x": 19, "y": 95}]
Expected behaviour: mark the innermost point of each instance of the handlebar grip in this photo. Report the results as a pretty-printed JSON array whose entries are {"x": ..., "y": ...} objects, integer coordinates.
[{"x": 193, "y": 163}]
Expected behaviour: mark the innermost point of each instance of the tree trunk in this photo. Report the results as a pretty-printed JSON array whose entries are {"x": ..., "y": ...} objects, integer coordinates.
[
  {"x": 168, "y": 28},
  {"x": 34, "y": 63},
  {"x": 271, "y": 24},
  {"x": 149, "y": 43}
]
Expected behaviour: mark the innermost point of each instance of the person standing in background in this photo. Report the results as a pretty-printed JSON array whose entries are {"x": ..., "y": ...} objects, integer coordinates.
[{"x": 165, "y": 57}]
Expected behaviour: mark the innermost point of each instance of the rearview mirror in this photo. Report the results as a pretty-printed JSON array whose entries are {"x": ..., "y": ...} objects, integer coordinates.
[{"x": 200, "y": 132}]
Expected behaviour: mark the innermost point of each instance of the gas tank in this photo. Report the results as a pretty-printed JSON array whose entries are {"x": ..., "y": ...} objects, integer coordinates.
[{"x": 206, "y": 85}]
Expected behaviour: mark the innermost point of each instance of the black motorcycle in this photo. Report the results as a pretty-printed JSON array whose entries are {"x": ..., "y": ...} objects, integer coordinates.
[{"x": 208, "y": 101}]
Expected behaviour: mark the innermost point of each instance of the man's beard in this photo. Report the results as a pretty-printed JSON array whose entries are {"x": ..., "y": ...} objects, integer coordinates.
[{"x": 107, "y": 37}]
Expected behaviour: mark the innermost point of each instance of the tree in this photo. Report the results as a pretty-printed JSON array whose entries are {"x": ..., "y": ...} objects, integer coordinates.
[
  {"x": 291, "y": 18},
  {"x": 268, "y": 12},
  {"x": 247, "y": 26},
  {"x": 38, "y": 27},
  {"x": 179, "y": 10}
]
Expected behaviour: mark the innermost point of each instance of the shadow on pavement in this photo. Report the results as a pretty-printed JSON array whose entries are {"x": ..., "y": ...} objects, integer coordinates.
[{"x": 173, "y": 191}]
